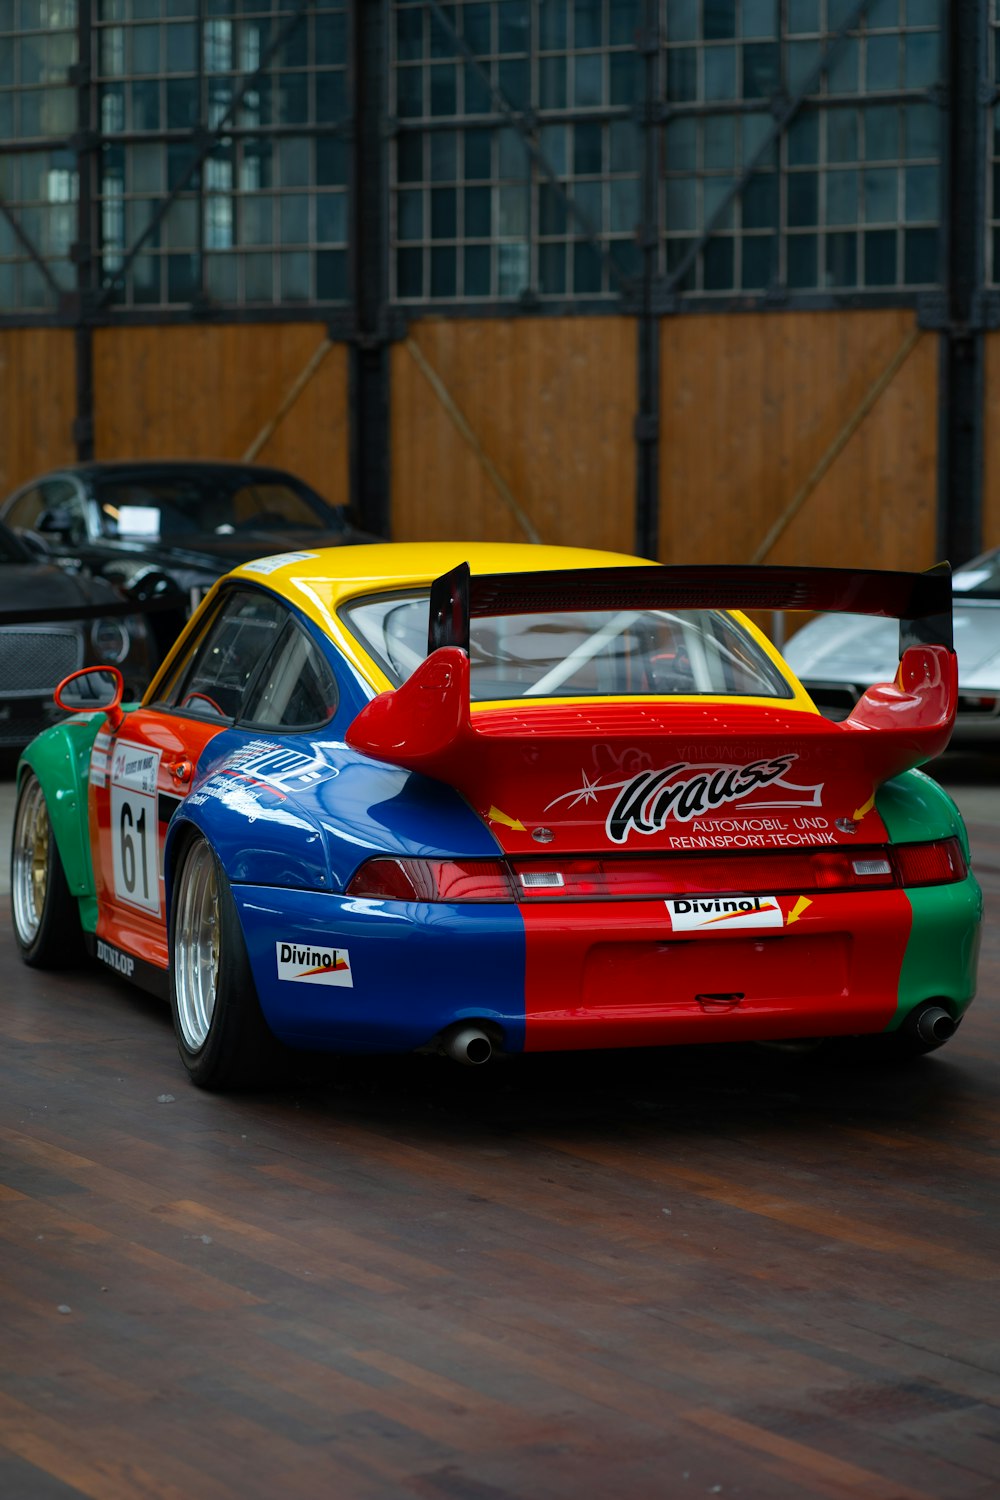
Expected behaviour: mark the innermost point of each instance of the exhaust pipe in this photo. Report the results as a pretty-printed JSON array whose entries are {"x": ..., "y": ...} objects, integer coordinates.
[
  {"x": 934, "y": 1026},
  {"x": 469, "y": 1045}
]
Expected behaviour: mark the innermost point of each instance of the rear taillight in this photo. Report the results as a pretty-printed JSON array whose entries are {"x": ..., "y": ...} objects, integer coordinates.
[
  {"x": 433, "y": 880},
  {"x": 772, "y": 872},
  {"x": 941, "y": 863}
]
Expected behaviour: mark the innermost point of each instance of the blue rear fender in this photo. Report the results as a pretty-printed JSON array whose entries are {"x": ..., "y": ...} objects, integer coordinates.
[
  {"x": 356, "y": 975},
  {"x": 291, "y": 820},
  {"x": 292, "y": 811}
]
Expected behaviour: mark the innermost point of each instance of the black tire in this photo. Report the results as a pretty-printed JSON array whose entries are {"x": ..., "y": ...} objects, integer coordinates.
[
  {"x": 222, "y": 1037},
  {"x": 44, "y": 913}
]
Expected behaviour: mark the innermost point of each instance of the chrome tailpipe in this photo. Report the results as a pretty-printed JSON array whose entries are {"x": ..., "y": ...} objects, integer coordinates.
[
  {"x": 469, "y": 1045},
  {"x": 934, "y": 1025}
]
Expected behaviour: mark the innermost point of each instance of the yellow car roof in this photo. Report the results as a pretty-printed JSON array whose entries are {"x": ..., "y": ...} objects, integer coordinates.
[
  {"x": 341, "y": 573},
  {"x": 320, "y": 582}
]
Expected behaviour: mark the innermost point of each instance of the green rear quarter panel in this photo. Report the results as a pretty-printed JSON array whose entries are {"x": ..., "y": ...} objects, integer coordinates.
[
  {"x": 943, "y": 950},
  {"x": 60, "y": 758}
]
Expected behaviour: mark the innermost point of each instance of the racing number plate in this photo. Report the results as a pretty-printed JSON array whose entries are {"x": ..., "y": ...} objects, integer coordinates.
[{"x": 134, "y": 828}]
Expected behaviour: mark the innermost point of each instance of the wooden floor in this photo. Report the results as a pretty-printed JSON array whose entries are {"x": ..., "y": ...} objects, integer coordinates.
[{"x": 706, "y": 1272}]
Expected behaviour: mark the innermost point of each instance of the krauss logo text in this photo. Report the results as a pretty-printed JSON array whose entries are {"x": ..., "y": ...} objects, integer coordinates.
[{"x": 647, "y": 801}]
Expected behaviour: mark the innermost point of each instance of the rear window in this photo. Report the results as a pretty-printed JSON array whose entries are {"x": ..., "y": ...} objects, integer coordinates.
[{"x": 593, "y": 653}]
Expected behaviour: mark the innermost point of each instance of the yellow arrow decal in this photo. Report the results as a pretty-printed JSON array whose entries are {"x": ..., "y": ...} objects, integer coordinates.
[
  {"x": 496, "y": 816},
  {"x": 797, "y": 910},
  {"x": 866, "y": 807}
]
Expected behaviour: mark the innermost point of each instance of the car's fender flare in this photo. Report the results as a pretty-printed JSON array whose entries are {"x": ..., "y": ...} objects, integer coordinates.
[
  {"x": 271, "y": 862},
  {"x": 60, "y": 758},
  {"x": 916, "y": 809}
]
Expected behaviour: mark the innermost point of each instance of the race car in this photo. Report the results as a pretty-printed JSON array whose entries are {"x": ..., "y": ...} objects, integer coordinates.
[{"x": 489, "y": 799}]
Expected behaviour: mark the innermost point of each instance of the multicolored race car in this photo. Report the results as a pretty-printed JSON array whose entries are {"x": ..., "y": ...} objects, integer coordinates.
[{"x": 481, "y": 799}]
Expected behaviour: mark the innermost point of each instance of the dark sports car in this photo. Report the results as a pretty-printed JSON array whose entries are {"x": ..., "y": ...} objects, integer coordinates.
[
  {"x": 171, "y": 528},
  {"x": 42, "y": 639}
]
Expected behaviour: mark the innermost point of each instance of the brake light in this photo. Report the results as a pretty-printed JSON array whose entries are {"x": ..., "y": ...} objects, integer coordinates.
[
  {"x": 941, "y": 863},
  {"x": 637, "y": 877},
  {"x": 433, "y": 880},
  {"x": 772, "y": 873}
]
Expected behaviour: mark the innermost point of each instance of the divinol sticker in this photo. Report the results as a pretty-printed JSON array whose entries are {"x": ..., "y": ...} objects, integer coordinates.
[
  {"x": 692, "y": 913},
  {"x": 310, "y": 964}
]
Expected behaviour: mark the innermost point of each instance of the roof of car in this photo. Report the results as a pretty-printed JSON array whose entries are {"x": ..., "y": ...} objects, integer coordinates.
[
  {"x": 120, "y": 466},
  {"x": 340, "y": 573}
]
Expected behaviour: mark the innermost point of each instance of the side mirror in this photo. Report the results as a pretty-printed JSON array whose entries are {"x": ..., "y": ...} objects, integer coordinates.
[{"x": 90, "y": 689}]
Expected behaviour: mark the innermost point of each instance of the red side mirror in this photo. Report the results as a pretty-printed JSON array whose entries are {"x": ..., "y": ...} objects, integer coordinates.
[{"x": 92, "y": 689}]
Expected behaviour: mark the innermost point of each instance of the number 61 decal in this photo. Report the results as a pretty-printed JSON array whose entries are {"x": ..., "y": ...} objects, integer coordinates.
[{"x": 134, "y": 825}]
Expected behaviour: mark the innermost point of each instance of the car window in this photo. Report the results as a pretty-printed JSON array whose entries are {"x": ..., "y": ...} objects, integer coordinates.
[
  {"x": 296, "y": 689},
  {"x": 25, "y": 510},
  {"x": 64, "y": 510},
  {"x": 274, "y": 505},
  {"x": 213, "y": 679},
  {"x": 177, "y": 505},
  {"x": 592, "y": 653}
]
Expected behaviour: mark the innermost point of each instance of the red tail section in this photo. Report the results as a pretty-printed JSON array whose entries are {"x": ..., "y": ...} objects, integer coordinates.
[{"x": 683, "y": 775}]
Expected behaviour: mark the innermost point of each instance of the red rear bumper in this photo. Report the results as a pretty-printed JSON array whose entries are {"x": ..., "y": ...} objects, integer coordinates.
[{"x": 618, "y": 974}]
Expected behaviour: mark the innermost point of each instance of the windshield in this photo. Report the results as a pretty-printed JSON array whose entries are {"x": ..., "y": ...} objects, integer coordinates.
[
  {"x": 979, "y": 579},
  {"x": 593, "y": 653},
  {"x": 146, "y": 508}
]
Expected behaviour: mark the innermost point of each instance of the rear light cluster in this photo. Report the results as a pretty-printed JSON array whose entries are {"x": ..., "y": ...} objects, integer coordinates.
[{"x": 774, "y": 872}]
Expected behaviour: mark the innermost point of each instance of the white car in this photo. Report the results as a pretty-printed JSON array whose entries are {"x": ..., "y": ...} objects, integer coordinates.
[{"x": 837, "y": 656}]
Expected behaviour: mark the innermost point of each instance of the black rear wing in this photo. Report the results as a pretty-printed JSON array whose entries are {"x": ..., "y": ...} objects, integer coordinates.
[{"x": 921, "y": 602}]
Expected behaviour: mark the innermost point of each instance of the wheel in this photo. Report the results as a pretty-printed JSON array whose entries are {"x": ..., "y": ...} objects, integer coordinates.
[
  {"x": 222, "y": 1037},
  {"x": 45, "y": 916}
]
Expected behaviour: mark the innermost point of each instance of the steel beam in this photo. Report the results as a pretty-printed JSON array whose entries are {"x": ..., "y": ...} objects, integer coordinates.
[
  {"x": 961, "y": 409},
  {"x": 647, "y": 422},
  {"x": 84, "y": 249},
  {"x": 369, "y": 368}
]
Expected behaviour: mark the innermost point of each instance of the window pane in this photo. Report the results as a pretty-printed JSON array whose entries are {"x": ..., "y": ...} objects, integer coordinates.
[
  {"x": 841, "y": 260},
  {"x": 717, "y": 262},
  {"x": 922, "y": 194},
  {"x": 842, "y": 197},
  {"x": 880, "y": 258},
  {"x": 880, "y": 195},
  {"x": 477, "y": 271},
  {"x": 802, "y": 260},
  {"x": 921, "y": 257}
]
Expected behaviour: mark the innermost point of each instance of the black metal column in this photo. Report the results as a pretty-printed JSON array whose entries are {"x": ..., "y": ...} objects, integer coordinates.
[
  {"x": 369, "y": 393},
  {"x": 961, "y": 384},
  {"x": 647, "y": 422},
  {"x": 85, "y": 146}
]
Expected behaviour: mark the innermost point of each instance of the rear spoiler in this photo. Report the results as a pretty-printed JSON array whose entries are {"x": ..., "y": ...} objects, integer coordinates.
[
  {"x": 509, "y": 768},
  {"x": 921, "y": 602}
]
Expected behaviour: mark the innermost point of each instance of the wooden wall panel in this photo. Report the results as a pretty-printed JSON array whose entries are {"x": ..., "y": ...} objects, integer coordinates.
[
  {"x": 750, "y": 405},
  {"x": 207, "y": 392},
  {"x": 37, "y": 402},
  {"x": 991, "y": 443},
  {"x": 551, "y": 403}
]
